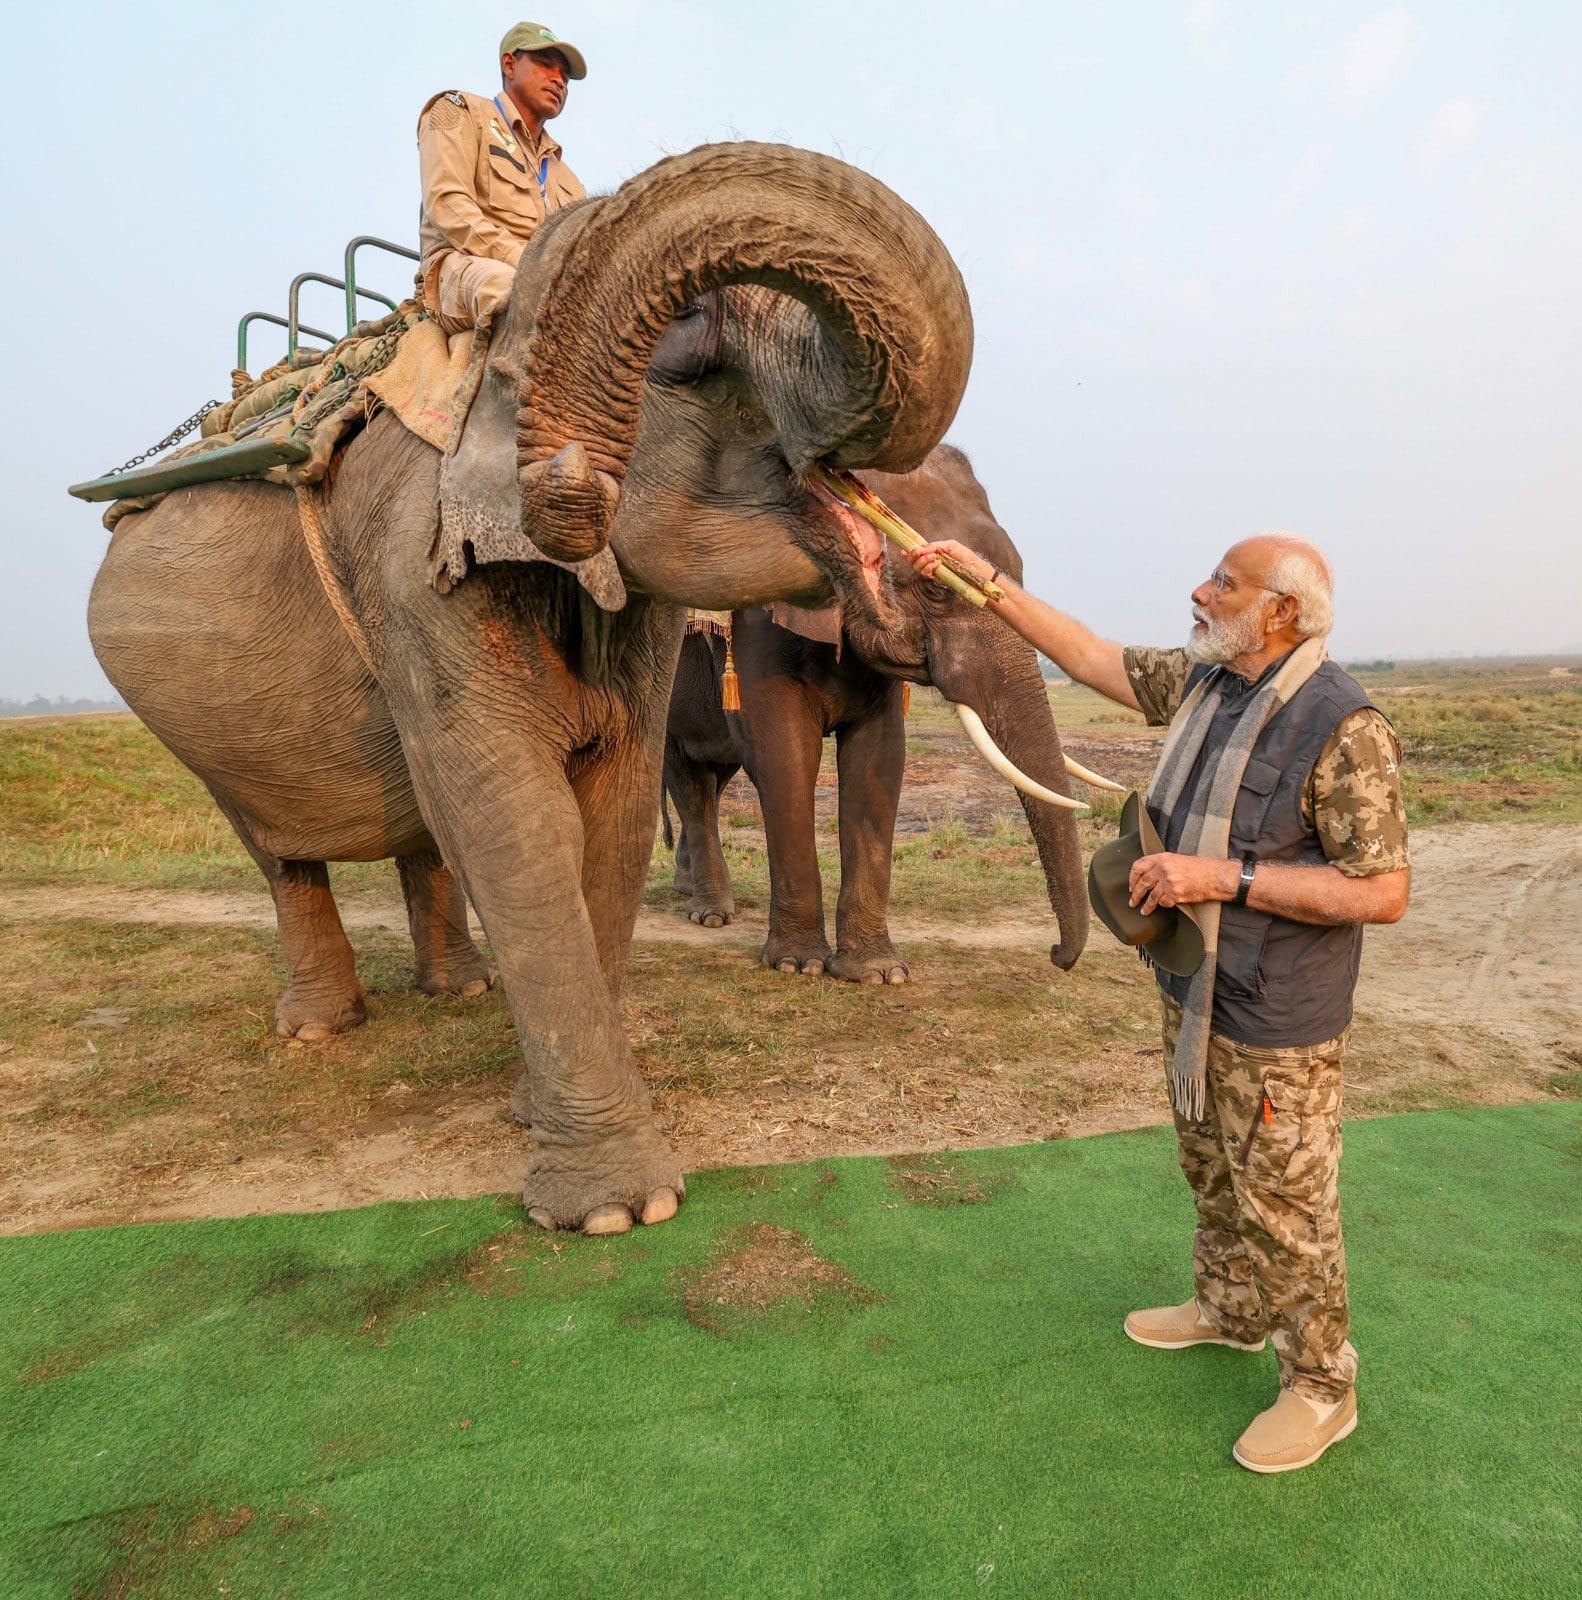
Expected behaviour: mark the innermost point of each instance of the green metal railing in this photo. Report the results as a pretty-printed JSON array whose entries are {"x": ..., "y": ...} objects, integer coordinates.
[
  {"x": 367, "y": 241},
  {"x": 247, "y": 457},
  {"x": 279, "y": 322}
]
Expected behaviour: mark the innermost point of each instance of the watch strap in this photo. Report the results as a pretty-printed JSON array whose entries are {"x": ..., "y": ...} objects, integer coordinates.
[{"x": 1249, "y": 865}]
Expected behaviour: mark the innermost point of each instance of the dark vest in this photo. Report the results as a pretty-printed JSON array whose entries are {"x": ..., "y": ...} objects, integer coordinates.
[{"x": 1279, "y": 982}]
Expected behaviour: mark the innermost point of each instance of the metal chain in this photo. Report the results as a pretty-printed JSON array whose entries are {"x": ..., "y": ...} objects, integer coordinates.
[
  {"x": 379, "y": 357},
  {"x": 180, "y": 431},
  {"x": 336, "y": 394}
]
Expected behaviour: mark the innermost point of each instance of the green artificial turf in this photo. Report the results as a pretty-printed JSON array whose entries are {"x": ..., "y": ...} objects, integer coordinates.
[{"x": 431, "y": 1400}]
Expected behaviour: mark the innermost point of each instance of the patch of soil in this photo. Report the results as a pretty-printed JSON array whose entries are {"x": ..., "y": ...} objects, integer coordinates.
[
  {"x": 151, "y": 1539},
  {"x": 761, "y": 1269},
  {"x": 931, "y": 1180},
  {"x": 210, "y": 1528}
]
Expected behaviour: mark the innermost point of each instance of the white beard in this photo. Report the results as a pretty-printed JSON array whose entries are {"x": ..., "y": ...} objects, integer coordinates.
[{"x": 1213, "y": 643}]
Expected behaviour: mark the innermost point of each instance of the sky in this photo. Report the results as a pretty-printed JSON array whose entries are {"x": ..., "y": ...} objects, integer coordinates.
[{"x": 1311, "y": 266}]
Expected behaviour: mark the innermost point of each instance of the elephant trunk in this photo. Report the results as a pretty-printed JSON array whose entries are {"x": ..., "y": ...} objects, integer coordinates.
[
  {"x": 1021, "y": 724},
  {"x": 884, "y": 354}
]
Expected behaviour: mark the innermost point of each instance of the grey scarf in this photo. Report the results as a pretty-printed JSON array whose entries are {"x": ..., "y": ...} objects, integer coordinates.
[{"x": 1207, "y": 833}]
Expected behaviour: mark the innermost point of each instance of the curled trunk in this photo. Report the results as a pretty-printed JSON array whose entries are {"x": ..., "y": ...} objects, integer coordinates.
[{"x": 886, "y": 350}]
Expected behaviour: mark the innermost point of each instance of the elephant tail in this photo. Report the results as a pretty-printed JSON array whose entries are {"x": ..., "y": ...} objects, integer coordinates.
[{"x": 664, "y": 818}]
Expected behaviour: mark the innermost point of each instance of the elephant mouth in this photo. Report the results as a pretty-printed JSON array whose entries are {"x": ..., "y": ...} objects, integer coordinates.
[{"x": 864, "y": 546}]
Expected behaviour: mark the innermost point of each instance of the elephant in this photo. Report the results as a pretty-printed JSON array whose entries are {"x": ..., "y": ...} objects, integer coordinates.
[
  {"x": 475, "y": 678},
  {"x": 795, "y": 690}
]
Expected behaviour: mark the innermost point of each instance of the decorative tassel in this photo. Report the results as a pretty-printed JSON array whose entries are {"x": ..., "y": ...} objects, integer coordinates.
[
  {"x": 906, "y": 698},
  {"x": 730, "y": 684}
]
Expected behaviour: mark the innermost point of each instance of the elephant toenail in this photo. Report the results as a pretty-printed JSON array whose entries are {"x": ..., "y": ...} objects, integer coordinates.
[
  {"x": 607, "y": 1219},
  {"x": 661, "y": 1207},
  {"x": 541, "y": 1218}
]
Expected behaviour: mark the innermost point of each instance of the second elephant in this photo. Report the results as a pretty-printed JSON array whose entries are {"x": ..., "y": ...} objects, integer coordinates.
[{"x": 796, "y": 690}]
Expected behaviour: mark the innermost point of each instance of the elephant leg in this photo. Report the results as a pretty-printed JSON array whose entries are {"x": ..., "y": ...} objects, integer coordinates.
[
  {"x": 695, "y": 786},
  {"x": 870, "y": 758},
  {"x": 446, "y": 961},
  {"x": 511, "y": 827},
  {"x": 788, "y": 743},
  {"x": 681, "y": 882},
  {"x": 617, "y": 794},
  {"x": 323, "y": 996}
]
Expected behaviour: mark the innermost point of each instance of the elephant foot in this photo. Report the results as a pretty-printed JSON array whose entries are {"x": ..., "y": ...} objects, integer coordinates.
[
  {"x": 311, "y": 1016},
  {"x": 682, "y": 882},
  {"x": 871, "y": 964},
  {"x": 711, "y": 913},
  {"x": 466, "y": 980},
  {"x": 604, "y": 1187},
  {"x": 809, "y": 956}
]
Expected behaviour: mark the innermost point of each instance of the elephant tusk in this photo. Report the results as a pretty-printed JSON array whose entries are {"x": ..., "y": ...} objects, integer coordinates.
[
  {"x": 1002, "y": 763},
  {"x": 1087, "y": 775}
]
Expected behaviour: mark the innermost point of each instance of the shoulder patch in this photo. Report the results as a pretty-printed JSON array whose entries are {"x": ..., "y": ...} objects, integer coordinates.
[{"x": 443, "y": 110}]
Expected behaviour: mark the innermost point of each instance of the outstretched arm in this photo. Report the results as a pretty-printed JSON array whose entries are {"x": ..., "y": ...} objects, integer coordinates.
[{"x": 1077, "y": 650}]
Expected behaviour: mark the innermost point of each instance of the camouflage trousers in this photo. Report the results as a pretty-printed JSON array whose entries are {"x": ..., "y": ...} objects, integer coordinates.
[{"x": 1264, "y": 1166}]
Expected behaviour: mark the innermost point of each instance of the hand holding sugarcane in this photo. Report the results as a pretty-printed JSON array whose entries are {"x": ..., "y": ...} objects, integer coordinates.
[{"x": 953, "y": 556}]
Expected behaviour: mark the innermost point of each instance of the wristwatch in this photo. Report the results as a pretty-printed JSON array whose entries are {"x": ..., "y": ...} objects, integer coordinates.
[{"x": 1249, "y": 865}]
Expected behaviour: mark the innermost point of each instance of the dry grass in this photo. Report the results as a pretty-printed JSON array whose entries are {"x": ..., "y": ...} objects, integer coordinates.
[
  {"x": 985, "y": 1046},
  {"x": 139, "y": 1061}
]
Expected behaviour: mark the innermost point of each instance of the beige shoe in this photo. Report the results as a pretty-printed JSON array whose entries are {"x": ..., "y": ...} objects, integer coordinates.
[
  {"x": 1178, "y": 1328},
  {"x": 1289, "y": 1434}
]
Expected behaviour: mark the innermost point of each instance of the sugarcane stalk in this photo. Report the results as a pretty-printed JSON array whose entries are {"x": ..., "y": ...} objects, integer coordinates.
[{"x": 858, "y": 497}]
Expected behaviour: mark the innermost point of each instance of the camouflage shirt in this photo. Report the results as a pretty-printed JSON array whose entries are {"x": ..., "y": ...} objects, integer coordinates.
[{"x": 1353, "y": 798}]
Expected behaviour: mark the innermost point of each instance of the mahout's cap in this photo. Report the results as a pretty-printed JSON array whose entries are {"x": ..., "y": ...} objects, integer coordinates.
[{"x": 535, "y": 36}]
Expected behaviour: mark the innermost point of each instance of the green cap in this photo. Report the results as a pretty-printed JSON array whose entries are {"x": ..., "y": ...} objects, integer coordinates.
[{"x": 535, "y": 36}]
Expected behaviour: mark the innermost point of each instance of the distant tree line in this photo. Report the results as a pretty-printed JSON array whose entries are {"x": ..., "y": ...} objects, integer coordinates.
[{"x": 38, "y": 706}]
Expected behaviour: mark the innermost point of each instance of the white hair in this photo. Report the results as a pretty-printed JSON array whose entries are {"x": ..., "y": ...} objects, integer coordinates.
[{"x": 1302, "y": 571}]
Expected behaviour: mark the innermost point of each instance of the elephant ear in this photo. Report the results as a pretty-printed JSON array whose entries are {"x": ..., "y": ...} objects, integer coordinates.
[
  {"x": 480, "y": 503},
  {"x": 821, "y": 626}
]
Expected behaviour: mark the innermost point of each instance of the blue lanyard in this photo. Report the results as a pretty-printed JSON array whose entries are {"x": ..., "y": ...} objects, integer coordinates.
[{"x": 543, "y": 166}]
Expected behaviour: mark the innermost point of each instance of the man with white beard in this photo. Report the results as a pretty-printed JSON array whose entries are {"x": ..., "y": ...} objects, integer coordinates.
[{"x": 1278, "y": 756}]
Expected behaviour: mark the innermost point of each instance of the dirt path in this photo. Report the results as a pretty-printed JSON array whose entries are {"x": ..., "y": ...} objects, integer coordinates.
[
  {"x": 1493, "y": 939},
  {"x": 1495, "y": 928}
]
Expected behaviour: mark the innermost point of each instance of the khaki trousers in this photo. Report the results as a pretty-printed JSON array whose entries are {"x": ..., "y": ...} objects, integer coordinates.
[
  {"x": 469, "y": 290},
  {"x": 1264, "y": 1167}
]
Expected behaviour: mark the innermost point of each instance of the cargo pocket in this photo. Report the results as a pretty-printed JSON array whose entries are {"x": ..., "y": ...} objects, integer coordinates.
[
  {"x": 1258, "y": 784},
  {"x": 1242, "y": 934},
  {"x": 1292, "y": 1147},
  {"x": 513, "y": 190}
]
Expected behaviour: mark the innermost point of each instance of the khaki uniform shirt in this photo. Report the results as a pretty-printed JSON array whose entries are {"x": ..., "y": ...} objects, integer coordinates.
[
  {"x": 481, "y": 190},
  {"x": 1353, "y": 798}
]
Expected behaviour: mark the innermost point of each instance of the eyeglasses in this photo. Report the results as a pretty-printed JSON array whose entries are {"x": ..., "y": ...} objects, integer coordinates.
[{"x": 1222, "y": 581}]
